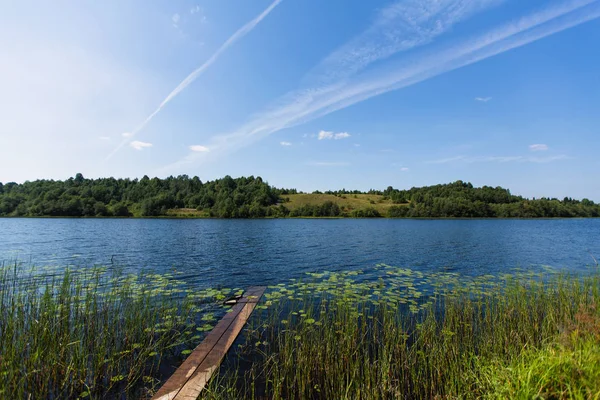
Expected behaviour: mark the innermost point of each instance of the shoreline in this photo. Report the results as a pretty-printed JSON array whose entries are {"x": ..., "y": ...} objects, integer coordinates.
[{"x": 324, "y": 218}]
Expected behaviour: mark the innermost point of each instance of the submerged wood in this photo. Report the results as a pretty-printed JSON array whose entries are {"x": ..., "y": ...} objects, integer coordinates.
[{"x": 192, "y": 376}]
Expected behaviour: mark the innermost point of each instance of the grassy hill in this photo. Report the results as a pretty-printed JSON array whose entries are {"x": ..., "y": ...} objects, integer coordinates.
[{"x": 346, "y": 202}]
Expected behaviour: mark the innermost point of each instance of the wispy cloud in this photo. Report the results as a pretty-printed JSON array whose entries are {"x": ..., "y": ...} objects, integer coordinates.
[
  {"x": 175, "y": 18},
  {"x": 198, "y": 10},
  {"x": 199, "y": 148},
  {"x": 126, "y": 134},
  {"x": 498, "y": 159},
  {"x": 328, "y": 135},
  {"x": 336, "y": 88},
  {"x": 404, "y": 169},
  {"x": 285, "y": 143},
  {"x": 542, "y": 160},
  {"x": 136, "y": 144},
  {"x": 106, "y": 138},
  {"x": 239, "y": 34},
  {"x": 446, "y": 160},
  {"x": 538, "y": 147},
  {"x": 483, "y": 99},
  {"x": 399, "y": 27},
  {"x": 328, "y": 163}
]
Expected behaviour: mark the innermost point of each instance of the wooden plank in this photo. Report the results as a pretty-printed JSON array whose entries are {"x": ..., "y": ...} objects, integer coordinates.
[
  {"x": 201, "y": 376},
  {"x": 182, "y": 374},
  {"x": 206, "y": 358}
]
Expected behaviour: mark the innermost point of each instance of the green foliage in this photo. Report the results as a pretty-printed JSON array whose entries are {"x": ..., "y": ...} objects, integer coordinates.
[
  {"x": 368, "y": 212},
  {"x": 326, "y": 209},
  {"x": 556, "y": 371},
  {"x": 253, "y": 198},
  {"x": 462, "y": 200},
  {"x": 95, "y": 331},
  {"x": 417, "y": 335},
  {"x": 398, "y": 212},
  {"x": 79, "y": 197}
]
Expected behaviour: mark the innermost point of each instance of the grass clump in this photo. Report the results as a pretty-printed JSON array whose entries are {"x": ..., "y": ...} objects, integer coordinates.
[
  {"x": 95, "y": 333},
  {"x": 568, "y": 367},
  {"x": 417, "y": 336}
]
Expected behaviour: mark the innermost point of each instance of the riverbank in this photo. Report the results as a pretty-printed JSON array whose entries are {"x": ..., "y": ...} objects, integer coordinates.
[
  {"x": 418, "y": 336},
  {"x": 386, "y": 333}
]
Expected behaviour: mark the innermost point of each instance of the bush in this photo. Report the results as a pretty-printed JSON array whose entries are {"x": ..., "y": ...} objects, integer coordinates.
[
  {"x": 398, "y": 212},
  {"x": 368, "y": 212}
]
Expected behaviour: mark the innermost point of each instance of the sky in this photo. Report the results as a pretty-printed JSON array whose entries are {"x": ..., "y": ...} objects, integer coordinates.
[{"x": 309, "y": 94}]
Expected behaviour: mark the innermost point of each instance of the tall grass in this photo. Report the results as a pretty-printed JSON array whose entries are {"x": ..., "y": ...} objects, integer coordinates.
[
  {"x": 94, "y": 333},
  {"x": 418, "y": 336}
]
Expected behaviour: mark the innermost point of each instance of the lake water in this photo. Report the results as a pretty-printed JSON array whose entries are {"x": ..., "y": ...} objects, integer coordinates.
[{"x": 246, "y": 252}]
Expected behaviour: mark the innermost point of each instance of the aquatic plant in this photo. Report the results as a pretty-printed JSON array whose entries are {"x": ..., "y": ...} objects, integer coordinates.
[
  {"x": 407, "y": 334},
  {"x": 96, "y": 333}
]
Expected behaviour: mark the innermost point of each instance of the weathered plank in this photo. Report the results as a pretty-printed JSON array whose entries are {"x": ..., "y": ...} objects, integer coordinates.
[
  {"x": 191, "y": 377},
  {"x": 191, "y": 390}
]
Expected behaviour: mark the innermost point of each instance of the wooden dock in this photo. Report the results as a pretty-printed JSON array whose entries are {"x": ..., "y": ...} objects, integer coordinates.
[{"x": 192, "y": 376}]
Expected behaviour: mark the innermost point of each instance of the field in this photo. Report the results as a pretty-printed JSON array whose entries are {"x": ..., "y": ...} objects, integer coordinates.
[
  {"x": 187, "y": 213},
  {"x": 347, "y": 202}
]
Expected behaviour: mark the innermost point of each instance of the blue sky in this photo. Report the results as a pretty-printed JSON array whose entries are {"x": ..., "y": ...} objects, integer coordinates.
[{"x": 305, "y": 93}]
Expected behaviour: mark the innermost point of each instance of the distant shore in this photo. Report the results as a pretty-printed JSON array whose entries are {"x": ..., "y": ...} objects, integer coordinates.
[{"x": 251, "y": 197}]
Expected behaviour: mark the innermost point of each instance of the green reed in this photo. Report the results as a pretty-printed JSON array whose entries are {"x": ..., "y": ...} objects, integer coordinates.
[
  {"x": 95, "y": 333},
  {"x": 420, "y": 336}
]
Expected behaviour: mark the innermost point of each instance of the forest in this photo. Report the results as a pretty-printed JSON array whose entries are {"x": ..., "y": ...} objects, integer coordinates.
[{"x": 251, "y": 197}]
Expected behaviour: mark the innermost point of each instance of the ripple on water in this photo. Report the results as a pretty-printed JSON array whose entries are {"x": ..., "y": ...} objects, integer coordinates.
[{"x": 256, "y": 252}]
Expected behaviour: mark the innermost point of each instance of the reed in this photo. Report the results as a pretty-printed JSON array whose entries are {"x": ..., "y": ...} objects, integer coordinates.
[
  {"x": 95, "y": 333},
  {"x": 418, "y": 336}
]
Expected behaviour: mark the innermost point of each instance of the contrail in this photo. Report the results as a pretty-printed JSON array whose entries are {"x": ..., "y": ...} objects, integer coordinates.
[
  {"x": 319, "y": 101},
  {"x": 240, "y": 33}
]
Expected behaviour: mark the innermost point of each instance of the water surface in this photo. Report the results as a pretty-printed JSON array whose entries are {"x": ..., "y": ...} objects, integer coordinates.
[{"x": 245, "y": 252}]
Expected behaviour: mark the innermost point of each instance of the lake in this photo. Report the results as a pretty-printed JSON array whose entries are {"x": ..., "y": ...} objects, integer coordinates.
[{"x": 247, "y": 252}]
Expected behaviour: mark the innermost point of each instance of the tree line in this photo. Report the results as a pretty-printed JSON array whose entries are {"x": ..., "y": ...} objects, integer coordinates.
[
  {"x": 461, "y": 200},
  {"x": 251, "y": 197}
]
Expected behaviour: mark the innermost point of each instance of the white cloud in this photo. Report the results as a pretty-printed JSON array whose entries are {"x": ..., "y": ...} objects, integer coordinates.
[
  {"x": 409, "y": 25},
  {"x": 332, "y": 135},
  {"x": 104, "y": 138},
  {"x": 404, "y": 169},
  {"x": 239, "y": 34},
  {"x": 285, "y": 143},
  {"x": 195, "y": 10},
  {"x": 199, "y": 148},
  {"x": 126, "y": 134},
  {"x": 538, "y": 147},
  {"x": 328, "y": 163},
  {"x": 483, "y": 99},
  {"x": 136, "y": 144},
  {"x": 325, "y": 135}
]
